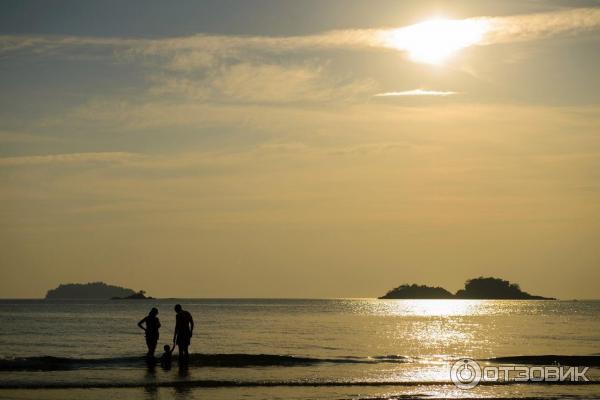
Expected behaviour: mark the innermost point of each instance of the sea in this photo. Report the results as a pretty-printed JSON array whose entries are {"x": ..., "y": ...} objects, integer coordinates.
[{"x": 302, "y": 349}]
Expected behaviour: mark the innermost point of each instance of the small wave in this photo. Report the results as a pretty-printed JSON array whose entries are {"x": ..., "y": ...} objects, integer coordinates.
[
  {"x": 49, "y": 363},
  {"x": 391, "y": 357},
  {"x": 575, "y": 361}
]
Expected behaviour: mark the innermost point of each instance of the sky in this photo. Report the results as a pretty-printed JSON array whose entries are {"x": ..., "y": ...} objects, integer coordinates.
[{"x": 299, "y": 148}]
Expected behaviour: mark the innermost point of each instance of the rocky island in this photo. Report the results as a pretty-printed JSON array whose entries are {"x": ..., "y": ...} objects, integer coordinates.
[
  {"x": 418, "y": 292},
  {"x": 141, "y": 295},
  {"x": 92, "y": 290},
  {"x": 477, "y": 288}
]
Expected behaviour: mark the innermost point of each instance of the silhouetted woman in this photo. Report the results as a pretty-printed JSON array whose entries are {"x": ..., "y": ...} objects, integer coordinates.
[{"x": 151, "y": 329}]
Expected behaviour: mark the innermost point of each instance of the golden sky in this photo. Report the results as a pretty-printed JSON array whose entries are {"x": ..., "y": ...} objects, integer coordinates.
[{"x": 268, "y": 149}]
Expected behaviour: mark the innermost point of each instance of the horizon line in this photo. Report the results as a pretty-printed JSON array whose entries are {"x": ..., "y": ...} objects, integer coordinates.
[{"x": 277, "y": 298}]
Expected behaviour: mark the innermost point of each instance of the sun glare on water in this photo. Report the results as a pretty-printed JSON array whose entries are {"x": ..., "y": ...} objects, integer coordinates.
[{"x": 435, "y": 40}]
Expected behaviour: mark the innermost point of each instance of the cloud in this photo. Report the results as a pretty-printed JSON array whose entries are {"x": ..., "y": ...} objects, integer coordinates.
[
  {"x": 542, "y": 25},
  {"x": 266, "y": 83},
  {"x": 416, "y": 92},
  {"x": 69, "y": 158},
  {"x": 21, "y": 137},
  {"x": 185, "y": 74},
  {"x": 191, "y": 51},
  {"x": 456, "y": 34},
  {"x": 200, "y": 50}
]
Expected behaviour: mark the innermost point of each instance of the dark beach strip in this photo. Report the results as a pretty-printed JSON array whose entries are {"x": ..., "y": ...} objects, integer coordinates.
[{"x": 48, "y": 363}]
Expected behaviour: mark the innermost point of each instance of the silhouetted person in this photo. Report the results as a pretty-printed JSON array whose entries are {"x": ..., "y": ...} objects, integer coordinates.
[
  {"x": 184, "y": 327},
  {"x": 165, "y": 360},
  {"x": 152, "y": 325}
]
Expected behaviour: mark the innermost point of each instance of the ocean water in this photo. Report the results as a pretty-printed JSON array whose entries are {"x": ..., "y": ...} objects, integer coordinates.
[{"x": 293, "y": 349}]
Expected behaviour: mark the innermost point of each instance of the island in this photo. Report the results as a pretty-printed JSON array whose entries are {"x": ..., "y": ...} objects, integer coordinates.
[
  {"x": 495, "y": 288},
  {"x": 417, "y": 292},
  {"x": 141, "y": 295},
  {"x": 92, "y": 290},
  {"x": 478, "y": 288}
]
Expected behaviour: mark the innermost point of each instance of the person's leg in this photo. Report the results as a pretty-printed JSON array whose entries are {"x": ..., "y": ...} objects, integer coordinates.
[
  {"x": 187, "y": 351},
  {"x": 149, "y": 345},
  {"x": 152, "y": 347},
  {"x": 183, "y": 353}
]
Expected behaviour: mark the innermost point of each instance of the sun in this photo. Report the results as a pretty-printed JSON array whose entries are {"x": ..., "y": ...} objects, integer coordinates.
[{"x": 435, "y": 40}]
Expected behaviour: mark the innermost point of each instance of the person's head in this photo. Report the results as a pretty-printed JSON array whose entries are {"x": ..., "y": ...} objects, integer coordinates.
[
  {"x": 167, "y": 348},
  {"x": 153, "y": 312},
  {"x": 178, "y": 308}
]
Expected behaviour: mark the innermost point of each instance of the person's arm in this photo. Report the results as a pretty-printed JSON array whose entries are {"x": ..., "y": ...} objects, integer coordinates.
[
  {"x": 191, "y": 325},
  {"x": 141, "y": 322},
  {"x": 175, "y": 332}
]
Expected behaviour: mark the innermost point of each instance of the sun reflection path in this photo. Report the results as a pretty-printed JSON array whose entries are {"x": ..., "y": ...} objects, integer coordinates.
[{"x": 432, "y": 308}]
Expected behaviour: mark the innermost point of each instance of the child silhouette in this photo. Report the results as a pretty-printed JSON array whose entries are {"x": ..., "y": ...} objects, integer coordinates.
[{"x": 166, "y": 358}]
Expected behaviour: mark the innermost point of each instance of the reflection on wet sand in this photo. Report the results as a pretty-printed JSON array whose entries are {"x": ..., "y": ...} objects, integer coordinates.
[
  {"x": 183, "y": 391},
  {"x": 150, "y": 389}
]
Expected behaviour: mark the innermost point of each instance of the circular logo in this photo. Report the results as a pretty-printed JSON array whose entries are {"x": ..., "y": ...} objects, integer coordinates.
[{"x": 465, "y": 373}]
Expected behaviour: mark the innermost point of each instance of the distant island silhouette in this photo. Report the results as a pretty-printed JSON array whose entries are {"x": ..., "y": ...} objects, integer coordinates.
[
  {"x": 141, "y": 295},
  {"x": 92, "y": 290},
  {"x": 418, "y": 292},
  {"x": 477, "y": 288}
]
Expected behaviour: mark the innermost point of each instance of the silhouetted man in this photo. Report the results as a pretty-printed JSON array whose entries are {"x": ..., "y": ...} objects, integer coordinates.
[{"x": 184, "y": 327}]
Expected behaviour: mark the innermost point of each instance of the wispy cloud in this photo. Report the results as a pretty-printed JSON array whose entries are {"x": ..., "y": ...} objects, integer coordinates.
[
  {"x": 264, "y": 83},
  {"x": 490, "y": 30},
  {"x": 237, "y": 70},
  {"x": 22, "y": 137},
  {"x": 200, "y": 50},
  {"x": 416, "y": 92},
  {"x": 542, "y": 25},
  {"x": 71, "y": 158}
]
